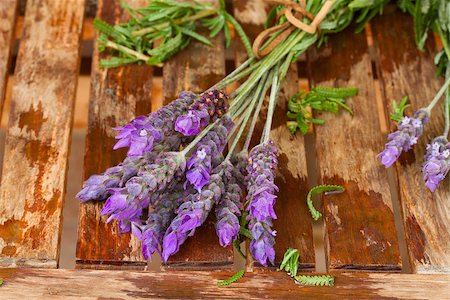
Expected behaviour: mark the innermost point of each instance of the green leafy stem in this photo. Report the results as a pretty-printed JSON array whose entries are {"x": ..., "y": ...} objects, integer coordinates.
[
  {"x": 320, "y": 99},
  {"x": 316, "y": 215},
  {"x": 319, "y": 280},
  {"x": 238, "y": 275},
  {"x": 398, "y": 110}
]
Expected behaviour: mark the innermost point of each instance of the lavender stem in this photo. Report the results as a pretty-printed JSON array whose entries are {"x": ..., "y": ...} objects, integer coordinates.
[
  {"x": 438, "y": 96},
  {"x": 446, "y": 105}
]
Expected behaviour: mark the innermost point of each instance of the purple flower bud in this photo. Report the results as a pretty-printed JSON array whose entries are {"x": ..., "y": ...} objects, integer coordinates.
[
  {"x": 409, "y": 130},
  {"x": 437, "y": 162},
  {"x": 208, "y": 108},
  {"x": 262, "y": 245}
]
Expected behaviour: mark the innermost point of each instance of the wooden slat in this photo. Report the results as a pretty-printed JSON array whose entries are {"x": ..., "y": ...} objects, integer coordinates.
[
  {"x": 117, "y": 96},
  {"x": 196, "y": 69},
  {"x": 95, "y": 284},
  {"x": 360, "y": 229},
  {"x": 412, "y": 72},
  {"x": 293, "y": 226},
  {"x": 38, "y": 137},
  {"x": 8, "y": 9}
]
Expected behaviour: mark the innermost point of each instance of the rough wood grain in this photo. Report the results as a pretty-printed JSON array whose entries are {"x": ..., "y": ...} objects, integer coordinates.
[
  {"x": 412, "y": 72},
  {"x": 117, "y": 96},
  {"x": 293, "y": 226},
  {"x": 8, "y": 9},
  {"x": 38, "y": 137},
  {"x": 78, "y": 284},
  {"x": 197, "y": 68},
  {"x": 360, "y": 228}
]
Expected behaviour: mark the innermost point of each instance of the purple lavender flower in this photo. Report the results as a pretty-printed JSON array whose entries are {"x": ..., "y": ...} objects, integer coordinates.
[
  {"x": 138, "y": 190},
  {"x": 152, "y": 231},
  {"x": 262, "y": 244},
  {"x": 208, "y": 154},
  {"x": 192, "y": 214},
  {"x": 409, "y": 130},
  {"x": 143, "y": 133},
  {"x": 261, "y": 196},
  {"x": 97, "y": 187},
  {"x": 229, "y": 208},
  {"x": 210, "y": 106},
  {"x": 437, "y": 162}
]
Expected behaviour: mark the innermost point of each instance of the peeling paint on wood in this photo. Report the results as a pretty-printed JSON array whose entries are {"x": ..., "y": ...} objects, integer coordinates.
[
  {"x": 360, "y": 218},
  {"x": 117, "y": 96},
  {"x": 38, "y": 137},
  {"x": 411, "y": 72}
]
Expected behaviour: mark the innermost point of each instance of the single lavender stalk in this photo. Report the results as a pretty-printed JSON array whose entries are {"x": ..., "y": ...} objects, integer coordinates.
[
  {"x": 229, "y": 208},
  {"x": 127, "y": 204},
  {"x": 192, "y": 214},
  {"x": 437, "y": 162},
  {"x": 207, "y": 109},
  {"x": 151, "y": 233},
  {"x": 409, "y": 130},
  {"x": 261, "y": 196},
  {"x": 97, "y": 187},
  {"x": 155, "y": 131},
  {"x": 208, "y": 153}
]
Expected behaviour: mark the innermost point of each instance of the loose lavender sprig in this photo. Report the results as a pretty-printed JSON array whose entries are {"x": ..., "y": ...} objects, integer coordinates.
[
  {"x": 409, "y": 130},
  {"x": 192, "y": 214},
  {"x": 156, "y": 130},
  {"x": 261, "y": 197},
  {"x": 437, "y": 162}
]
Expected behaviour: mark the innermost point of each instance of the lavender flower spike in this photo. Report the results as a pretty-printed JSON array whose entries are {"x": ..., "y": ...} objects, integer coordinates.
[
  {"x": 98, "y": 187},
  {"x": 208, "y": 154},
  {"x": 192, "y": 214},
  {"x": 261, "y": 195},
  {"x": 229, "y": 208},
  {"x": 409, "y": 130},
  {"x": 437, "y": 162},
  {"x": 143, "y": 133},
  {"x": 210, "y": 106}
]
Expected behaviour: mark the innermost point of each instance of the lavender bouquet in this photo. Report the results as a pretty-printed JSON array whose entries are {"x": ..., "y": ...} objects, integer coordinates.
[{"x": 176, "y": 164}]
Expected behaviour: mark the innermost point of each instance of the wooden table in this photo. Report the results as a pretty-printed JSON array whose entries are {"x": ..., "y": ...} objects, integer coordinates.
[{"x": 361, "y": 233}]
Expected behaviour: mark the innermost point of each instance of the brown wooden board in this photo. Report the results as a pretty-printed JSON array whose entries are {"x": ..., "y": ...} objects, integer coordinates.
[
  {"x": 411, "y": 72},
  {"x": 8, "y": 9},
  {"x": 196, "y": 69},
  {"x": 95, "y": 284},
  {"x": 293, "y": 226},
  {"x": 38, "y": 138},
  {"x": 117, "y": 96},
  {"x": 359, "y": 223}
]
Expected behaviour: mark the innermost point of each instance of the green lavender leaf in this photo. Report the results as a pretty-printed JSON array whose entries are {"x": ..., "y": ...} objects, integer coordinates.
[
  {"x": 318, "y": 280},
  {"x": 115, "y": 61},
  {"x": 399, "y": 109},
  {"x": 232, "y": 279},
  {"x": 1, "y": 282},
  {"x": 196, "y": 36},
  {"x": 317, "y": 190}
]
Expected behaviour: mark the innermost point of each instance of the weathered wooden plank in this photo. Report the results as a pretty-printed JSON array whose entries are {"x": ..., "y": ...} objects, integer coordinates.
[
  {"x": 360, "y": 228},
  {"x": 117, "y": 96},
  {"x": 411, "y": 72},
  {"x": 38, "y": 137},
  {"x": 196, "y": 69},
  {"x": 78, "y": 284},
  {"x": 293, "y": 226},
  {"x": 8, "y": 10}
]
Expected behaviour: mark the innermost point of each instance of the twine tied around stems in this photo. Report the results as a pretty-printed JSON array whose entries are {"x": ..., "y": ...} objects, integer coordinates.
[{"x": 293, "y": 12}]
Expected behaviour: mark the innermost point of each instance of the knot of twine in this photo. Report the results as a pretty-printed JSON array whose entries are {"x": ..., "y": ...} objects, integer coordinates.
[{"x": 293, "y": 12}]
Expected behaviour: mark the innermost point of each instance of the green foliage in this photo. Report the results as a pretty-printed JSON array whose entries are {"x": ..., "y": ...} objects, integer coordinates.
[
  {"x": 243, "y": 234},
  {"x": 1, "y": 282},
  {"x": 232, "y": 279},
  {"x": 319, "y": 99},
  {"x": 316, "y": 215},
  {"x": 290, "y": 261},
  {"x": 399, "y": 109},
  {"x": 161, "y": 29},
  {"x": 319, "y": 280}
]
